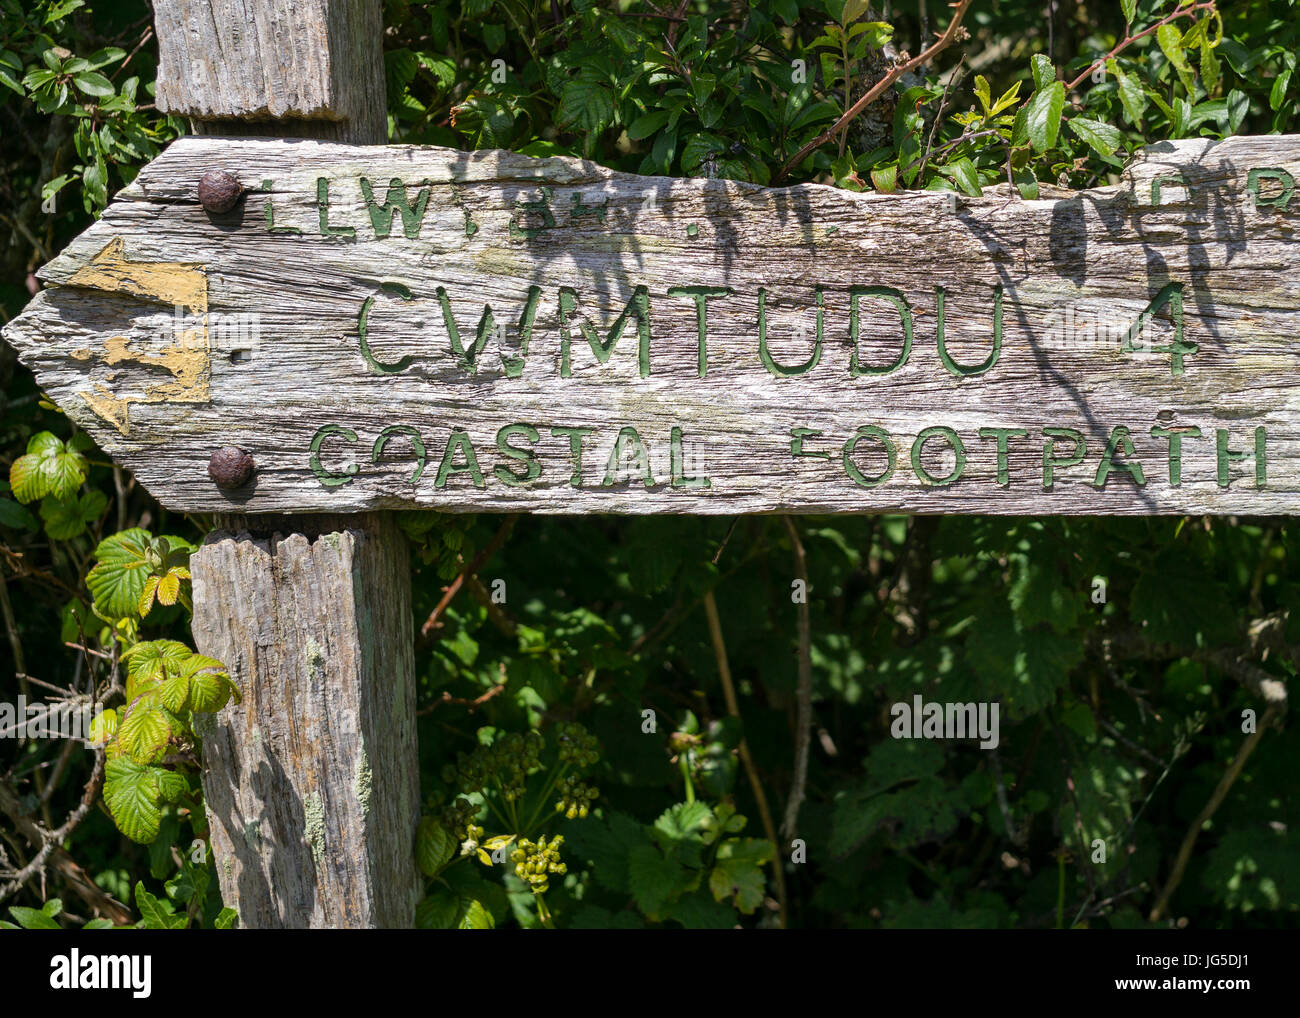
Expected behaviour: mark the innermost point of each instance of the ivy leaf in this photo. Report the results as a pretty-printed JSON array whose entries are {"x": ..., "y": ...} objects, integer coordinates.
[
  {"x": 50, "y": 467},
  {"x": 225, "y": 919},
  {"x": 1043, "y": 116},
  {"x": 1102, "y": 138},
  {"x": 117, "y": 582},
  {"x": 132, "y": 795},
  {"x": 738, "y": 872}
]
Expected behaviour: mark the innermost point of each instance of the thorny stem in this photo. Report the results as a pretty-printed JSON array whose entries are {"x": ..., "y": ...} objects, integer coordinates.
[
  {"x": 1208, "y": 5},
  {"x": 943, "y": 42}
]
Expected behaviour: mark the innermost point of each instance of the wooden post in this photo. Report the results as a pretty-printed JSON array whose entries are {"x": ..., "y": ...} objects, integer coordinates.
[{"x": 312, "y": 782}]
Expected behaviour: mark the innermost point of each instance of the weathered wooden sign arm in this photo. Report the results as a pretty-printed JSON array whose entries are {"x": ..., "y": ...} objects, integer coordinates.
[{"x": 389, "y": 327}]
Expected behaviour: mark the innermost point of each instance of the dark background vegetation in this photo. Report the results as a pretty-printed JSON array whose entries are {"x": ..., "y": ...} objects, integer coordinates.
[{"x": 1119, "y": 719}]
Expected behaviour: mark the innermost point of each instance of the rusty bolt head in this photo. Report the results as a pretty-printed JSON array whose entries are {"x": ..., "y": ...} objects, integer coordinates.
[
  {"x": 219, "y": 191},
  {"x": 230, "y": 467}
]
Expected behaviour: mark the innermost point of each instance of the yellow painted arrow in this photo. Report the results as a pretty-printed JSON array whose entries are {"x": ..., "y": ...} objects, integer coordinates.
[
  {"x": 189, "y": 359},
  {"x": 183, "y": 283}
]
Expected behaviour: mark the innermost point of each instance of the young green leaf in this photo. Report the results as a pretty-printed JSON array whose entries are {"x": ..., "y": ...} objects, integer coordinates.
[
  {"x": 1277, "y": 95},
  {"x": 475, "y": 917},
  {"x": 49, "y": 468},
  {"x": 1171, "y": 44},
  {"x": 117, "y": 582},
  {"x": 1043, "y": 116},
  {"x": 1044, "y": 72},
  {"x": 1131, "y": 96},
  {"x": 1211, "y": 69},
  {"x": 738, "y": 872},
  {"x": 1102, "y": 138},
  {"x": 963, "y": 174},
  {"x": 66, "y": 518},
  {"x": 885, "y": 178},
  {"x": 143, "y": 732},
  {"x": 133, "y": 798}
]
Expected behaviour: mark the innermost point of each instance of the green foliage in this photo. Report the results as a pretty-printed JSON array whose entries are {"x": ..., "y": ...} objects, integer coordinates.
[{"x": 113, "y": 133}]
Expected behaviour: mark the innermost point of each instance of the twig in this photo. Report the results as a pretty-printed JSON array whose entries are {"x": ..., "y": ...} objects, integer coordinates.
[
  {"x": 1179, "y": 749},
  {"x": 733, "y": 708},
  {"x": 472, "y": 704},
  {"x": 965, "y": 136},
  {"x": 492, "y": 547},
  {"x": 48, "y": 840},
  {"x": 873, "y": 93},
  {"x": 726, "y": 537},
  {"x": 803, "y": 693},
  {"x": 953, "y": 79},
  {"x": 496, "y": 614},
  {"x": 1220, "y": 793},
  {"x": 1125, "y": 43}
]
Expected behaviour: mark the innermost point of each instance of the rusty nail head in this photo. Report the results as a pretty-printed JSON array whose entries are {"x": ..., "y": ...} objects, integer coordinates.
[
  {"x": 219, "y": 191},
  {"x": 230, "y": 467}
]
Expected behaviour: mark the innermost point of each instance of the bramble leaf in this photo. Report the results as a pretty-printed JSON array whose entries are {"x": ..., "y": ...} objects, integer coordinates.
[
  {"x": 118, "y": 581},
  {"x": 50, "y": 467},
  {"x": 133, "y": 798}
]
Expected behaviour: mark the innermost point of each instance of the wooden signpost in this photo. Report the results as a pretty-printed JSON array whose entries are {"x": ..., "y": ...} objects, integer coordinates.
[
  {"x": 421, "y": 327},
  {"x": 282, "y": 331}
]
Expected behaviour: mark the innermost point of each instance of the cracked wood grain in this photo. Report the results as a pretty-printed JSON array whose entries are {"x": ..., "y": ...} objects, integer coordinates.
[
  {"x": 310, "y": 782},
  {"x": 367, "y": 311}
]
